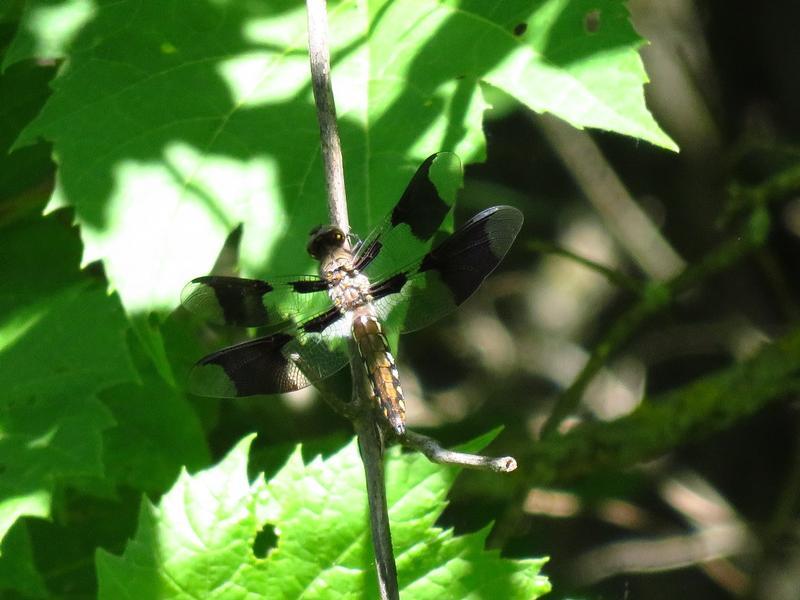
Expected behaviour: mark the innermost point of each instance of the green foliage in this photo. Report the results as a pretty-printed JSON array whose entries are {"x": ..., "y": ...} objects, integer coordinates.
[
  {"x": 62, "y": 339},
  {"x": 16, "y": 569},
  {"x": 198, "y": 541},
  {"x": 141, "y": 451},
  {"x": 174, "y": 122}
]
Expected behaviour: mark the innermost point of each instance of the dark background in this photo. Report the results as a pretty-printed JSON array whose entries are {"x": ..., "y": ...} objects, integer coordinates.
[{"x": 725, "y": 85}]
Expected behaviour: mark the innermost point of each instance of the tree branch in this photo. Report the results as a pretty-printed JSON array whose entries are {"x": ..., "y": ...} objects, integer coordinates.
[{"x": 712, "y": 403}]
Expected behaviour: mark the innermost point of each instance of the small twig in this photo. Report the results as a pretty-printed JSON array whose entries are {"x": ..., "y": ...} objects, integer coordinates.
[
  {"x": 319, "y": 58},
  {"x": 618, "y": 334},
  {"x": 361, "y": 412},
  {"x": 668, "y": 553},
  {"x": 437, "y": 454}
]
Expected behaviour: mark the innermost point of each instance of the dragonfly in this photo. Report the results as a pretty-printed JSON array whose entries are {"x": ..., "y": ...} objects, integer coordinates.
[{"x": 406, "y": 274}]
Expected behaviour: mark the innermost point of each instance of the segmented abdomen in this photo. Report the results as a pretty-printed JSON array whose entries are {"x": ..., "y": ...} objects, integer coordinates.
[{"x": 381, "y": 370}]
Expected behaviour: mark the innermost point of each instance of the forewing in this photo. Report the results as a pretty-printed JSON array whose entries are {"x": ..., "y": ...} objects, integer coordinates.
[
  {"x": 274, "y": 364},
  {"x": 253, "y": 302},
  {"x": 407, "y": 232},
  {"x": 445, "y": 277}
]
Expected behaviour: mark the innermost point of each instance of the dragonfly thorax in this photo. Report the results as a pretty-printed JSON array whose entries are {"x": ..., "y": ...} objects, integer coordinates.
[{"x": 348, "y": 288}]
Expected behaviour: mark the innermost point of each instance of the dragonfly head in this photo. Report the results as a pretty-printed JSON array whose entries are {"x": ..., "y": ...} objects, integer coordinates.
[{"x": 324, "y": 240}]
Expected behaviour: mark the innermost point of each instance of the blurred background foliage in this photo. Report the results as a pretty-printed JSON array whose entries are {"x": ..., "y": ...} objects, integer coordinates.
[
  {"x": 639, "y": 344},
  {"x": 715, "y": 516}
]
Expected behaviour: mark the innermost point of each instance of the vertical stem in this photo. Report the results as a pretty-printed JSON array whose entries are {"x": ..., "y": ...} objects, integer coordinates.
[
  {"x": 364, "y": 422},
  {"x": 319, "y": 55},
  {"x": 371, "y": 447}
]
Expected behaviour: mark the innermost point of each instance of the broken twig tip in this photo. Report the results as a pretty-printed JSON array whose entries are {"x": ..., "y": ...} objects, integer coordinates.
[
  {"x": 436, "y": 453},
  {"x": 506, "y": 464}
]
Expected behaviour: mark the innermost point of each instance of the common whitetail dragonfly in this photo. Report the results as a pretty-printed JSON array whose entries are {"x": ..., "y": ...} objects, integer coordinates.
[{"x": 392, "y": 277}]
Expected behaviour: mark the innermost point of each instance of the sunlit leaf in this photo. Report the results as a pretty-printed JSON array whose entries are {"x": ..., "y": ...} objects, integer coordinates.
[
  {"x": 174, "y": 122},
  {"x": 47, "y": 29},
  {"x": 199, "y": 540}
]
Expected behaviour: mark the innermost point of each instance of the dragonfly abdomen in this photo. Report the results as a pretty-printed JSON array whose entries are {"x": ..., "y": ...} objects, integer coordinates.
[{"x": 384, "y": 380}]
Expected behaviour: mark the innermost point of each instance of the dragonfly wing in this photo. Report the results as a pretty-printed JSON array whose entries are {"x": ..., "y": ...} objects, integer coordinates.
[
  {"x": 253, "y": 302},
  {"x": 274, "y": 364},
  {"x": 449, "y": 274},
  {"x": 406, "y": 233}
]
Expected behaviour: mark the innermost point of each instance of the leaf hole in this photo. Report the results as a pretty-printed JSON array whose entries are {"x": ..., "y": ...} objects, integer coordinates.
[
  {"x": 591, "y": 22},
  {"x": 266, "y": 540},
  {"x": 520, "y": 28}
]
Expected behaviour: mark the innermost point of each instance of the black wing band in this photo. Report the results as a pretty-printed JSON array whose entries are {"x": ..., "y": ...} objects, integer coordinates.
[
  {"x": 247, "y": 369},
  {"x": 283, "y": 362},
  {"x": 450, "y": 273},
  {"x": 254, "y": 303},
  {"x": 406, "y": 232},
  {"x": 421, "y": 207}
]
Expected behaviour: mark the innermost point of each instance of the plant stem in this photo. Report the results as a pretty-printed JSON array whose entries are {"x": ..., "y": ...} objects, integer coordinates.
[
  {"x": 320, "y": 59},
  {"x": 364, "y": 418},
  {"x": 712, "y": 403},
  {"x": 434, "y": 451},
  {"x": 370, "y": 445}
]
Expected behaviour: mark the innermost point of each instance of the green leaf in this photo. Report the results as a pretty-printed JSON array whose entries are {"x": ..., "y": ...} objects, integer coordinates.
[
  {"x": 23, "y": 91},
  {"x": 62, "y": 339},
  {"x": 17, "y": 571},
  {"x": 10, "y": 10},
  {"x": 157, "y": 430},
  {"x": 576, "y": 59},
  {"x": 198, "y": 542},
  {"x": 64, "y": 547},
  {"x": 47, "y": 28},
  {"x": 173, "y": 122},
  {"x": 141, "y": 452}
]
